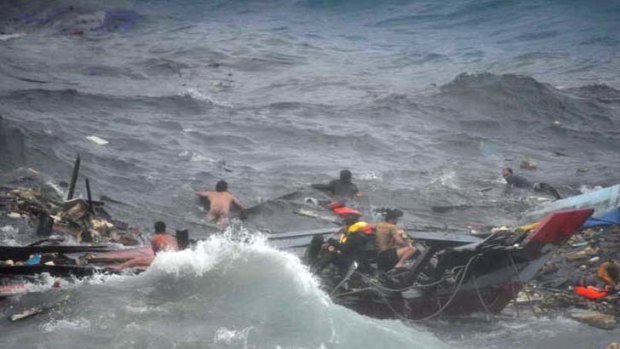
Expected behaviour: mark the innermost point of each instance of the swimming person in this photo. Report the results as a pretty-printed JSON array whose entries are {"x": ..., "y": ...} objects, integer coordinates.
[{"x": 219, "y": 202}]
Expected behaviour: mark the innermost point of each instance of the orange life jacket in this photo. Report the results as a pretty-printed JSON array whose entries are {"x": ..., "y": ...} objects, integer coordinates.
[{"x": 590, "y": 292}]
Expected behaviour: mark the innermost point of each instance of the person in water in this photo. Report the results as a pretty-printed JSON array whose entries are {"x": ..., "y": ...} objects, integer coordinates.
[
  {"x": 161, "y": 241},
  {"x": 219, "y": 202},
  {"x": 513, "y": 180},
  {"x": 393, "y": 250},
  {"x": 593, "y": 288},
  {"x": 342, "y": 188},
  {"x": 610, "y": 274}
]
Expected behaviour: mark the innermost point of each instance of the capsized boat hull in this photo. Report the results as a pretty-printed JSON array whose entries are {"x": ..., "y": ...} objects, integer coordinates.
[{"x": 602, "y": 201}]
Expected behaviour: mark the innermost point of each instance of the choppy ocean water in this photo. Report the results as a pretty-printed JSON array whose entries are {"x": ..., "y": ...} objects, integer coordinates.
[{"x": 423, "y": 101}]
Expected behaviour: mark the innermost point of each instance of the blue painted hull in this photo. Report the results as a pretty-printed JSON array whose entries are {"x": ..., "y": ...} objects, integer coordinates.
[{"x": 602, "y": 201}]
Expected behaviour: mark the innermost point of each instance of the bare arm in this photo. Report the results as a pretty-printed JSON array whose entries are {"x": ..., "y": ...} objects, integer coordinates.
[
  {"x": 242, "y": 213},
  {"x": 399, "y": 240},
  {"x": 142, "y": 261},
  {"x": 237, "y": 202}
]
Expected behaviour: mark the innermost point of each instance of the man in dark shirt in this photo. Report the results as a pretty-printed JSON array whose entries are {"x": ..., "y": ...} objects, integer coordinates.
[
  {"x": 341, "y": 188},
  {"x": 521, "y": 182}
]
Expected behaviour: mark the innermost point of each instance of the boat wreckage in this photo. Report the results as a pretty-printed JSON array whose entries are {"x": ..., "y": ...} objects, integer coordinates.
[
  {"x": 454, "y": 274},
  {"x": 73, "y": 238}
]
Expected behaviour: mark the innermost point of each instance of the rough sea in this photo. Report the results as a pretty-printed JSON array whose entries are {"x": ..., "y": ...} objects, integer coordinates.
[{"x": 425, "y": 102}]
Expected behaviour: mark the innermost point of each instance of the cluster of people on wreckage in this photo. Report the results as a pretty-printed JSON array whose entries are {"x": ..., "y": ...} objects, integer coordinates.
[
  {"x": 361, "y": 242},
  {"x": 392, "y": 244}
]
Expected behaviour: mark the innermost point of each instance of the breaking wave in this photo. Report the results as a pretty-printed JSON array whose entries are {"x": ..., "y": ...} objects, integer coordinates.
[{"x": 223, "y": 294}]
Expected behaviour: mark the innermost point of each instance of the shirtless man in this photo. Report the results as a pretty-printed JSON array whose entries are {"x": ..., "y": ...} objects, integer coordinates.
[
  {"x": 161, "y": 241},
  {"x": 392, "y": 249},
  {"x": 218, "y": 203}
]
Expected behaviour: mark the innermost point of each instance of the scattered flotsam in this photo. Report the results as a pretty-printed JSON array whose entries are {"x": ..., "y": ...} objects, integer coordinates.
[{"x": 97, "y": 140}]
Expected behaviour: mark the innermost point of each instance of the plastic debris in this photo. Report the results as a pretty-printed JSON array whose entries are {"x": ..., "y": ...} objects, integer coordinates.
[{"x": 97, "y": 140}]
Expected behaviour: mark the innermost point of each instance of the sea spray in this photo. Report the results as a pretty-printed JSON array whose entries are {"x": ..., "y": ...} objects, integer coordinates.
[{"x": 222, "y": 293}]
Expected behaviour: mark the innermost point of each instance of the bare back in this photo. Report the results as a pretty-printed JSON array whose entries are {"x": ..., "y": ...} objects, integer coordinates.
[
  {"x": 385, "y": 233},
  {"x": 219, "y": 205}
]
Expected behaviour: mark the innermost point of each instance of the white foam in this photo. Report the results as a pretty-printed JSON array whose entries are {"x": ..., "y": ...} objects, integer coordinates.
[
  {"x": 225, "y": 249},
  {"x": 6, "y": 37},
  {"x": 447, "y": 179},
  {"x": 369, "y": 176},
  {"x": 197, "y": 95},
  {"x": 199, "y": 158},
  {"x": 10, "y": 233},
  {"x": 9, "y": 229},
  {"x": 54, "y": 325},
  {"x": 584, "y": 189},
  {"x": 232, "y": 337},
  {"x": 200, "y": 96}
]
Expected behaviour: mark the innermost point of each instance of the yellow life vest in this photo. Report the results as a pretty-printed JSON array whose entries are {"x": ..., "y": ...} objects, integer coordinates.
[{"x": 362, "y": 227}]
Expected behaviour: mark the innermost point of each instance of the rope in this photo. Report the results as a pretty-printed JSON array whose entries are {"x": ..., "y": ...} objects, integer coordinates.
[
  {"x": 385, "y": 288},
  {"x": 444, "y": 307},
  {"x": 480, "y": 296},
  {"x": 529, "y": 300}
]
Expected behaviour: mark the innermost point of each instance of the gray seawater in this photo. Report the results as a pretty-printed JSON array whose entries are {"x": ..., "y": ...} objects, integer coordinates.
[{"x": 424, "y": 101}]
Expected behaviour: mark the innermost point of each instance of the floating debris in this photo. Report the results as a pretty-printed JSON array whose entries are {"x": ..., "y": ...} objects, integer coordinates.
[
  {"x": 528, "y": 165},
  {"x": 596, "y": 319},
  {"x": 97, "y": 140},
  {"x": 569, "y": 282}
]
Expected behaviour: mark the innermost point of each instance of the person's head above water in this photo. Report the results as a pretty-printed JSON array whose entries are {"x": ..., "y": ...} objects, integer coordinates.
[
  {"x": 221, "y": 186},
  {"x": 506, "y": 172},
  {"x": 345, "y": 176},
  {"x": 392, "y": 215},
  {"x": 160, "y": 227}
]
